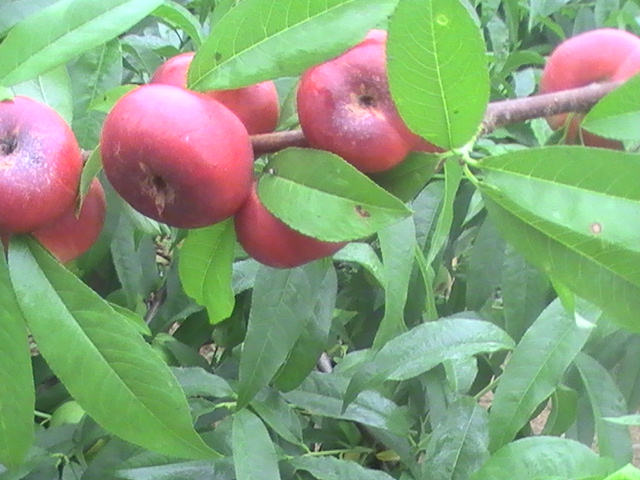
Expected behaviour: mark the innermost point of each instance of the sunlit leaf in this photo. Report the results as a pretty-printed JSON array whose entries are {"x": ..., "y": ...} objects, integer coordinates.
[
  {"x": 54, "y": 35},
  {"x": 534, "y": 458},
  {"x": 321, "y": 195},
  {"x": 573, "y": 212},
  {"x": 259, "y": 40},
  {"x": 438, "y": 73},
  {"x": 101, "y": 359},
  {"x": 206, "y": 259},
  {"x": 16, "y": 380}
]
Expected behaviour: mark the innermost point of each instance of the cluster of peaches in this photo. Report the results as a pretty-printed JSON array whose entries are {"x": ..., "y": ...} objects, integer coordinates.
[
  {"x": 40, "y": 167},
  {"x": 185, "y": 158}
]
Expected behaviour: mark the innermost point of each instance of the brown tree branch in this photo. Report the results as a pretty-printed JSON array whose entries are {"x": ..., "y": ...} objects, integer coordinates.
[
  {"x": 273, "y": 142},
  {"x": 517, "y": 110},
  {"x": 498, "y": 114}
]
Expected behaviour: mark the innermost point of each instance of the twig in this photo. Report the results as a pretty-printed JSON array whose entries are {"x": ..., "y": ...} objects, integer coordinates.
[
  {"x": 273, "y": 142},
  {"x": 517, "y": 110},
  {"x": 154, "y": 303}
]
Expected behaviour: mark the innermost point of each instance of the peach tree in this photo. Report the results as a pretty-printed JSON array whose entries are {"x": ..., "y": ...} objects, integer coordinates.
[{"x": 480, "y": 321}]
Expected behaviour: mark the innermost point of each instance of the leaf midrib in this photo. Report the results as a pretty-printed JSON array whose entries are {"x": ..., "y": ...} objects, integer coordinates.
[{"x": 255, "y": 46}]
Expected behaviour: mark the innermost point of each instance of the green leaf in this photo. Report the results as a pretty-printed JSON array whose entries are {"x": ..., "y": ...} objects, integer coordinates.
[
  {"x": 196, "y": 469},
  {"x": 321, "y": 394},
  {"x": 572, "y": 209},
  {"x": 459, "y": 443},
  {"x": 313, "y": 338},
  {"x": 105, "y": 102},
  {"x": 134, "y": 319},
  {"x": 197, "y": 382},
  {"x": 282, "y": 301},
  {"x": 536, "y": 368},
  {"x": 98, "y": 355},
  {"x": 265, "y": 39},
  {"x": 427, "y": 206},
  {"x": 628, "y": 373},
  {"x": 398, "y": 245},
  {"x": 364, "y": 255},
  {"x": 17, "y": 397},
  {"x": 177, "y": 353},
  {"x": 525, "y": 293},
  {"x": 14, "y": 11},
  {"x": 629, "y": 472},
  {"x": 564, "y": 405},
  {"x": 606, "y": 401},
  {"x": 408, "y": 178},
  {"x": 425, "y": 346},
  {"x": 91, "y": 168},
  {"x": 340, "y": 203},
  {"x": 178, "y": 16},
  {"x": 92, "y": 74},
  {"x": 253, "y": 452},
  {"x": 485, "y": 265},
  {"x": 6, "y": 94},
  {"x": 38, "y": 461},
  {"x": 617, "y": 115},
  {"x": 52, "y": 88},
  {"x": 220, "y": 9},
  {"x": 135, "y": 264},
  {"x": 205, "y": 267},
  {"x": 279, "y": 416},
  {"x": 630, "y": 420},
  {"x": 438, "y": 73},
  {"x": 536, "y": 458},
  {"x": 452, "y": 179},
  {"x": 141, "y": 224},
  {"x": 244, "y": 275},
  {"x": 331, "y": 468},
  {"x": 428, "y": 307},
  {"x": 54, "y": 35},
  {"x": 584, "y": 428}
]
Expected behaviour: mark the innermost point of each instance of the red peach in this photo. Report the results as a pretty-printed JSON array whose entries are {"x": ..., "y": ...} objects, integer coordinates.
[
  {"x": 594, "y": 56},
  {"x": 257, "y": 106},
  {"x": 272, "y": 242},
  {"x": 629, "y": 67},
  {"x": 345, "y": 107},
  {"x": 177, "y": 156},
  {"x": 40, "y": 165},
  {"x": 73, "y": 234}
]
